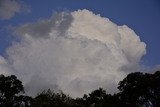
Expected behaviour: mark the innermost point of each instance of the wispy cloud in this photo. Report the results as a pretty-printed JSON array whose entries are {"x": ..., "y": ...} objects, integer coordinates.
[{"x": 8, "y": 8}]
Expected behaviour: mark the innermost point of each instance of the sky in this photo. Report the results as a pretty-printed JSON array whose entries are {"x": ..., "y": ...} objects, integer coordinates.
[
  {"x": 77, "y": 45},
  {"x": 143, "y": 16}
]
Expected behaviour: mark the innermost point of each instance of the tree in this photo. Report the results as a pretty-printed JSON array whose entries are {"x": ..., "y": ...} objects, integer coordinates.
[
  {"x": 99, "y": 98},
  {"x": 10, "y": 87},
  {"x": 22, "y": 101},
  {"x": 96, "y": 97},
  {"x": 50, "y": 99},
  {"x": 136, "y": 90},
  {"x": 139, "y": 89}
]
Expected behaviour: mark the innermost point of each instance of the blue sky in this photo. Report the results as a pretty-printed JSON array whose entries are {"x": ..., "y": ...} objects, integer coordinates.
[{"x": 143, "y": 16}]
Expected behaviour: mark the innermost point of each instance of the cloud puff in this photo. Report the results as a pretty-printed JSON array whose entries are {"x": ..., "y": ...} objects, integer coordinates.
[
  {"x": 8, "y": 8},
  {"x": 74, "y": 52}
]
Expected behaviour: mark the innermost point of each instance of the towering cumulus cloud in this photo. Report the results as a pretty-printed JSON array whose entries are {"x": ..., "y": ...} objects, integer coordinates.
[{"x": 74, "y": 52}]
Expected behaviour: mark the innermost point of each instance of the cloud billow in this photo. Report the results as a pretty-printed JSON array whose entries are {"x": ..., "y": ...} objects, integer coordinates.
[{"x": 74, "y": 52}]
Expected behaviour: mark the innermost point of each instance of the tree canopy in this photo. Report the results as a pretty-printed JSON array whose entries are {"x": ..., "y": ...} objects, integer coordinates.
[
  {"x": 136, "y": 90},
  {"x": 10, "y": 87},
  {"x": 139, "y": 89}
]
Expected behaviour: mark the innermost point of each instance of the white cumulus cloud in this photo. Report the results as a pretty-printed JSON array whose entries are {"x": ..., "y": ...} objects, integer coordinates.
[{"x": 74, "y": 52}]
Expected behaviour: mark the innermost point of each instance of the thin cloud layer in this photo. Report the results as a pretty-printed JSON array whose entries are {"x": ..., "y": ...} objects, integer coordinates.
[
  {"x": 74, "y": 52},
  {"x": 8, "y": 8},
  {"x": 4, "y": 67},
  {"x": 60, "y": 22}
]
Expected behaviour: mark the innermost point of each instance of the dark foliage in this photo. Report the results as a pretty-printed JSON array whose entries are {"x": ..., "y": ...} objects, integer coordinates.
[
  {"x": 139, "y": 89},
  {"x": 10, "y": 87},
  {"x": 136, "y": 90},
  {"x": 98, "y": 98},
  {"x": 50, "y": 99}
]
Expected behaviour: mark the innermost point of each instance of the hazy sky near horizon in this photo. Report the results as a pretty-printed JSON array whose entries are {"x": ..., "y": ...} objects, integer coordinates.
[{"x": 143, "y": 16}]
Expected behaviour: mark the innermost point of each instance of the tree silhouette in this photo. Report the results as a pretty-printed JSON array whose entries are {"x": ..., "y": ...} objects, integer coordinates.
[
  {"x": 98, "y": 98},
  {"x": 50, "y": 99},
  {"x": 10, "y": 87},
  {"x": 22, "y": 101},
  {"x": 136, "y": 90},
  {"x": 139, "y": 89}
]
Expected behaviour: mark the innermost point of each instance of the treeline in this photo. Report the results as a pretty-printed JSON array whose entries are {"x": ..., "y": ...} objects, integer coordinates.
[{"x": 136, "y": 90}]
